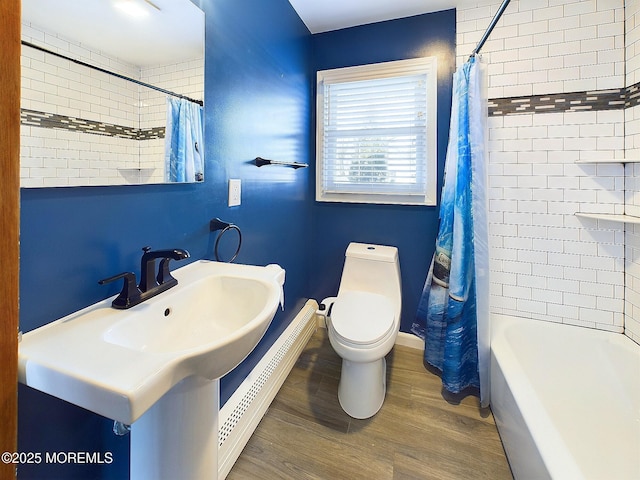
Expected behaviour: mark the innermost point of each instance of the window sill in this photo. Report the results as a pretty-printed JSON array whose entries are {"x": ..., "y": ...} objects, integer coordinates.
[{"x": 378, "y": 199}]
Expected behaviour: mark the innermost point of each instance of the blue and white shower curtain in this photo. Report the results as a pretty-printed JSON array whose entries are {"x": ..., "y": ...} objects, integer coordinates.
[
  {"x": 453, "y": 313},
  {"x": 184, "y": 149}
]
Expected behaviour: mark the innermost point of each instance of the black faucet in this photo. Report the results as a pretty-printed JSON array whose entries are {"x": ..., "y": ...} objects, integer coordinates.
[
  {"x": 150, "y": 283},
  {"x": 148, "y": 278}
]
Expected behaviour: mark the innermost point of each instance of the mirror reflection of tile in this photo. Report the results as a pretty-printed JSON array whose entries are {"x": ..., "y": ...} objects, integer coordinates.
[{"x": 84, "y": 127}]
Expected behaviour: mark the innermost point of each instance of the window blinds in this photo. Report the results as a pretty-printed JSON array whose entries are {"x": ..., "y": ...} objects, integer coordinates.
[{"x": 375, "y": 136}]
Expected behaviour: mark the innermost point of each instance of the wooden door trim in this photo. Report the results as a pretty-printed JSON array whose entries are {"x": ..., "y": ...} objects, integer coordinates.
[{"x": 9, "y": 226}]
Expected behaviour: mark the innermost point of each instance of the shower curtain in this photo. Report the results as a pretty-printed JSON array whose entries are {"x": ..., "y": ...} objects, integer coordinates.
[
  {"x": 183, "y": 141},
  {"x": 453, "y": 312}
]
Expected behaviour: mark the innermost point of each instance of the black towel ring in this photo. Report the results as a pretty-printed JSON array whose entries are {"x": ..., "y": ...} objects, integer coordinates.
[{"x": 217, "y": 224}]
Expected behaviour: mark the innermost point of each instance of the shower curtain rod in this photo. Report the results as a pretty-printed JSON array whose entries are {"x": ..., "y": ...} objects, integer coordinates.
[
  {"x": 490, "y": 28},
  {"x": 79, "y": 62}
]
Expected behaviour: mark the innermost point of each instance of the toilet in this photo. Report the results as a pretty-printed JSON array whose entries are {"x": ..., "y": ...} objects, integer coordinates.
[{"x": 362, "y": 323}]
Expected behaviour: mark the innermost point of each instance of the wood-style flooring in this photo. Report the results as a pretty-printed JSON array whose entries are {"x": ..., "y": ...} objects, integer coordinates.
[{"x": 416, "y": 435}]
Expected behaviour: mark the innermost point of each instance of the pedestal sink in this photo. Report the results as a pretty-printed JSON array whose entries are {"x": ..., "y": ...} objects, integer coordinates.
[{"x": 156, "y": 366}]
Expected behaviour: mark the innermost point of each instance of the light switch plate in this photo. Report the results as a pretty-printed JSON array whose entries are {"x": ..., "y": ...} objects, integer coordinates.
[{"x": 234, "y": 192}]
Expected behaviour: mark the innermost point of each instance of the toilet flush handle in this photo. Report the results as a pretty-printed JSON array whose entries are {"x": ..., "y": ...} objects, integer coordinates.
[{"x": 324, "y": 309}]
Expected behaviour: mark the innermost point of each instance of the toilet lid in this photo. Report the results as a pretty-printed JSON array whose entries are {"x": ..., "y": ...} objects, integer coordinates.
[{"x": 362, "y": 317}]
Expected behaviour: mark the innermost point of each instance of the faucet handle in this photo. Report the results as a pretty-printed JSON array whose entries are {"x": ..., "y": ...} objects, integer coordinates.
[
  {"x": 130, "y": 294},
  {"x": 164, "y": 274}
]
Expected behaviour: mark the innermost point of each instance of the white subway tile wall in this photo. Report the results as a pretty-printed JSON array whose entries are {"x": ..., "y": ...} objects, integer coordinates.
[
  {"x": 59, "y": 157},
  {"x": 546, "y": 263},
  {"x": 547, "y": 46}
]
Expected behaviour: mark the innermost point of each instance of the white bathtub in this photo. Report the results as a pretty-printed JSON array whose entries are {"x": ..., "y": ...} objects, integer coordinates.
[{"x": 566, "y": 400}]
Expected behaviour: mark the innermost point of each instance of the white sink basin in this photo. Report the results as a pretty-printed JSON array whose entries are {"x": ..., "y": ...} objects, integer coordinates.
[{"x": 118, "y": 363}]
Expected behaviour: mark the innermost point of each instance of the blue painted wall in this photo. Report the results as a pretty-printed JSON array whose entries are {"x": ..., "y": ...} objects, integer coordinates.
[
  {"x": 258, "y": 100},
  {"x": 410, "y": 228},
  {"x": 260, "y": 64}
]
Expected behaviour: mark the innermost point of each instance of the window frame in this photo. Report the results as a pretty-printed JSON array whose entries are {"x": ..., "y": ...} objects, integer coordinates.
[{"x": 397, "y": 68}]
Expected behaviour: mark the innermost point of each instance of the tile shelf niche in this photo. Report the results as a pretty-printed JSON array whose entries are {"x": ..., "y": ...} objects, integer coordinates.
[
  {"x": 137, "y": 175},
  {"x": 609, "y": 160},
  {"x": 610, "y": 217}
]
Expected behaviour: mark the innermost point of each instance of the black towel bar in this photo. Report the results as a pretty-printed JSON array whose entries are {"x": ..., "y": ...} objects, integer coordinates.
[{"x": 263, "y": 161}]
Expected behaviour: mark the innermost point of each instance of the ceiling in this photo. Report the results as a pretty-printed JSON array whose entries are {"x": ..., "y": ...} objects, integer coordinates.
[
  {"x": 167, "y": 32},
  {"x": 173, "y": 30},
  {"x": 326, "y": 15}
]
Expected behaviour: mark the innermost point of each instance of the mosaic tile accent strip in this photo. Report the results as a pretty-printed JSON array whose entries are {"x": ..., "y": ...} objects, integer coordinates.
[
  {"x": 633, "y": 96},
  {"x": 35, "y": 118},
  {"x": 614, "y": 99},
  {"x": 150, "y": 133}
]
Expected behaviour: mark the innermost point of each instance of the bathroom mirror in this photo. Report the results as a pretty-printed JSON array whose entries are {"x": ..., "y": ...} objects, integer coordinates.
[{"x": 104, "y": 126}]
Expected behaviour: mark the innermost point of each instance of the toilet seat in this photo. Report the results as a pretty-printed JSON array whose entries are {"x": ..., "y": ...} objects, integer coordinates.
[{"x": 362, "y": 318}]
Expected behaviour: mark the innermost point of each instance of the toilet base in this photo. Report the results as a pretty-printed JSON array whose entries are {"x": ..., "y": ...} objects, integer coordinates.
[{"x": 362, "y": 387}]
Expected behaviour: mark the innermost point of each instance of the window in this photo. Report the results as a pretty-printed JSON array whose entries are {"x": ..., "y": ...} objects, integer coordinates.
[{"x": 376, "y": 133}]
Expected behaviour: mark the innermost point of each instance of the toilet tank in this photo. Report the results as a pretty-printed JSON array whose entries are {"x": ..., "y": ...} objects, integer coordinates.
[{"x": 372, "y": 268}]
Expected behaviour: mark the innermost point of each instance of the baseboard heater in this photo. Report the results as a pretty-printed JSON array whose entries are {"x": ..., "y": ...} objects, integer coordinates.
[{"x": 240, "y": 416}]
